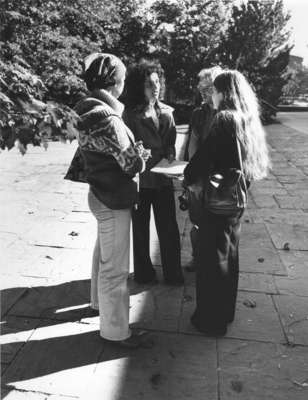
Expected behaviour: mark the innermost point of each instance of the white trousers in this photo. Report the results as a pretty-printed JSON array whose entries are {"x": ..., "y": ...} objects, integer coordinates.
[{"x": 110, "y": 269}]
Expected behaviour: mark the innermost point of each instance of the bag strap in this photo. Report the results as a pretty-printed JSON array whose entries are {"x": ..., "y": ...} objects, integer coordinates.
[
  {"x": 239, "y": 153},
  {"x": 240, "y": 160}
]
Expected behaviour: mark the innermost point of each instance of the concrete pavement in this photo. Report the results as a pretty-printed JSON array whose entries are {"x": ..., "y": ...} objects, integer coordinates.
[
  {"x": 297, "y": 120},
  {"x": 50, "y": 343}
]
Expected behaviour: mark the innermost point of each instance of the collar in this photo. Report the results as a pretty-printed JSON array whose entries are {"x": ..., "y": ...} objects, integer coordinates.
[
  {"x": 159, "y": 106},
  {"x": 109, "y": 99}
]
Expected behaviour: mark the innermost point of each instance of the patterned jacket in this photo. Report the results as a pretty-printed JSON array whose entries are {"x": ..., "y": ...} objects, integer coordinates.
[{"x": 107, "y": 147}]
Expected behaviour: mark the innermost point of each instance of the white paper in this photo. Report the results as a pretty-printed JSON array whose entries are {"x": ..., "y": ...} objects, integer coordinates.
[{"x": 176, "y": 168}]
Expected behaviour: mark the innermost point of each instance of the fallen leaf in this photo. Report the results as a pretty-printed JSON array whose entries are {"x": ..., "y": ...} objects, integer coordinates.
[
  {"x": 237, "y": 386},
  {"x": 49, "y": 258},
  {"x": 156, "y": 379},
  {"x": 301, "y": 384},
  {"x": 286, "y": 246},
  {"x": 73, "y": 233},
  {"x": 250, "y": 303},
  {"x": 172, "y": 354}
]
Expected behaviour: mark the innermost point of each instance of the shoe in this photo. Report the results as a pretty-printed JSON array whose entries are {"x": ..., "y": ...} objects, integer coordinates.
[
  {"x": 137, "y": 340},
  {"x": 209, "y": 331}
]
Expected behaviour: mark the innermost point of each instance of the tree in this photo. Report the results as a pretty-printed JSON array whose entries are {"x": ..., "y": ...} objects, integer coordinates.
[
  {"x": 187, "y": 34},
  {"x": 41, "y": 47},
  {"x": 256, "y": 43}
]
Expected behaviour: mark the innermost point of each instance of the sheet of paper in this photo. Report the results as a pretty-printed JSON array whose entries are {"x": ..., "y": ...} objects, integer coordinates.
[{"x": 176, "y": 168}]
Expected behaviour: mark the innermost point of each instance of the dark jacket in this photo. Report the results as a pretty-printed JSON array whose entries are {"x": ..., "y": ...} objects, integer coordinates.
[
  {"x": 217, "y": 153},
  {"x": 161, "y": 140},
  {"x": 107, "y": 147},
  {"x": 199, "y": 127}
]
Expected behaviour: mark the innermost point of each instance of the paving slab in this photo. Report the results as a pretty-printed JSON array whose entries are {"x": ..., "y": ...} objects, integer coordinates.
[
  {"x": 295, "y": 235},
  {"x": 265, "y": 201},
  {"x": 257, "y": 371},
  {"x": 291, "y": 202},
  {"x": 34, "y": 302},
  {"x": 263, "y": 283},
  {"x": 279, "y": 216},
  {"x": 256, "y": 251},
  {"x": 21, "y": 395},
  {"x": 258, "y": 322},
  {"x": 15, "y": 332},
  {"x": 293, "y": 311},
  {"x": 67, "y": 301},
  {"x": 295, "y": 283},
  {"x": 54, "y": 361},
  {"x": 156, "y": 308},
  {"x": 175, "y": 368},
  {"x": 248, "y": 282},
  {"x": 10, "y": 297},
  {"x": 267, "y": 190},
  {"x": 68, "y": 235}
]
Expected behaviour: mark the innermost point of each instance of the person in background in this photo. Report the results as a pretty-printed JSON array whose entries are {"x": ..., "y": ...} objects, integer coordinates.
[
  {"x": 199, "y": 129},
  {"x": 151, "y": 122},
  {"x": 112, "y": 159},
  {"x": 217, "y": 257}
]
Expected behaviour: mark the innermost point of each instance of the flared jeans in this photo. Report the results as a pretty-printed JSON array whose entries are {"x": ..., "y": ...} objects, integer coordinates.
[{"x": 110, "y": 269}]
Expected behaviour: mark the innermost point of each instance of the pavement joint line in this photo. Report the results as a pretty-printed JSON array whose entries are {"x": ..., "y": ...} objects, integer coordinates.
[
  {"x": 152, "y": 330},
  {"x": 280, "y": 320},
  {"x": 8, "y": 387},
  {"x": 54, "y": 246},
  {"x": 17, "y": 300},
  {"x": 271, "y": 240},
  {"x": 290, "y": 293}
]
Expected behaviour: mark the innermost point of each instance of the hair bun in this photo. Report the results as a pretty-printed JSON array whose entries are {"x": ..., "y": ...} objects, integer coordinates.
[{"x": 101, "y": 70}]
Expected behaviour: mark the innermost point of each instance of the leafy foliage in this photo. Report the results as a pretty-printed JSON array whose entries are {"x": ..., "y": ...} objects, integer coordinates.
[
  {"x": 256, "y": 43},
  {"x": 26, "y": 118},
  {"x": 42, "y": 43},
  {"x": 188, "y": 34}
]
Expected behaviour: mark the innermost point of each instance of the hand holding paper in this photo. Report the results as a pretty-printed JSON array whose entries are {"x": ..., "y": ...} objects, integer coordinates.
[{"x": 175, "y": 169}]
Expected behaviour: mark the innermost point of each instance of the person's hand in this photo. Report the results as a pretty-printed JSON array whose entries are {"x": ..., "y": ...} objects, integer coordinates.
[
  {"x": 138, "y": 146},
  {"x": 171, "y": 158},
  {"x": 145, "y": 154}
]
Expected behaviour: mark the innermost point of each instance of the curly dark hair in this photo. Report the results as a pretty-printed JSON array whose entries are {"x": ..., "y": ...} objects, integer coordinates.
[{"x": 135, "y": 82}]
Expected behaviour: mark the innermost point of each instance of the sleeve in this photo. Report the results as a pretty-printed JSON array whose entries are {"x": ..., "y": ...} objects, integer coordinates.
[
  {"x": 199, "y": 165},
  {"x": 111, "y": 138},
  {"x": 171, "y": 138}
]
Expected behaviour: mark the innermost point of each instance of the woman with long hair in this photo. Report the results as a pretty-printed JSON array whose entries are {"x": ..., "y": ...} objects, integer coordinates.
[
  {"x": 217, "y": 250},
  {"x": 151, "y": 122}
]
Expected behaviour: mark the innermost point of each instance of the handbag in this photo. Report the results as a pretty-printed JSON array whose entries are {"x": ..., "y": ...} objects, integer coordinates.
[
  {"x": 226, "y": 194},
  {"x": 218, "y": 194},
  {"x": 76, "y": 170}
]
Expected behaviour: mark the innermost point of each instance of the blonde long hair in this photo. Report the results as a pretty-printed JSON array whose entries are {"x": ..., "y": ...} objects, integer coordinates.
[{"x": 239, "y": 97}]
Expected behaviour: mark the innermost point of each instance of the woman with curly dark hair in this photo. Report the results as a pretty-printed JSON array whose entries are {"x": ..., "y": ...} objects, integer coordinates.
[{"x": 151, "y": 121}]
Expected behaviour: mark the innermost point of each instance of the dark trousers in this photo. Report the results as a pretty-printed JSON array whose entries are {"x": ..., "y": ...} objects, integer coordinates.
[
  {"x": 217, "y": 264},
  {"x": 194, "y": 235},
  {"x": 163, "y": 204}
]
